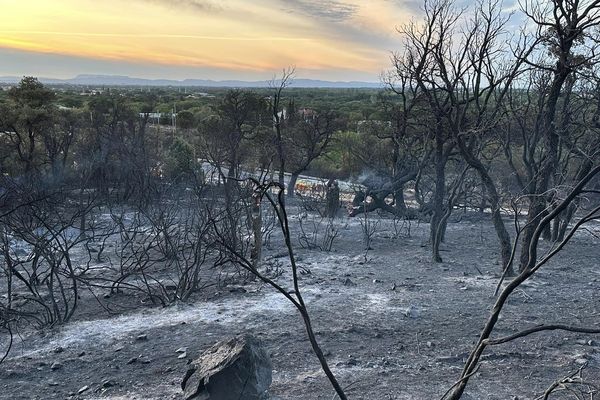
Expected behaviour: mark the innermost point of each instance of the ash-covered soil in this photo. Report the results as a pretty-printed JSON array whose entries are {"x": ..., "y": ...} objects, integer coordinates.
[{"x": 393, "y": 325}]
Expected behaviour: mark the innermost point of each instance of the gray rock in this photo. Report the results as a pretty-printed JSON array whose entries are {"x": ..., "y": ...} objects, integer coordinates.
[{"x": 238, "y": 368}]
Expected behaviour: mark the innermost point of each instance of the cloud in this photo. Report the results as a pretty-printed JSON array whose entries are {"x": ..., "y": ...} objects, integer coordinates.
[
  {"x": 155, "y": 36},
  {"x": 352, "y": 37},
  {"x": 331, "y": 10},
  {"x": 24, "y": 63},
  {"x": 413, "y": 6},
  {"x": 204, "y": 6}
]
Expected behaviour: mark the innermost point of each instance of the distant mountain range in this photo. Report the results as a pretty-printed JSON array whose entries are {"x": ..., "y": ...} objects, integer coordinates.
[{"x": 117, "y": 80}]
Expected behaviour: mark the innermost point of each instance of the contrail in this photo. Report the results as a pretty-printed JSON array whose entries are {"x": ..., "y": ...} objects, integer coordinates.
[{"x": 155, "y": 35}]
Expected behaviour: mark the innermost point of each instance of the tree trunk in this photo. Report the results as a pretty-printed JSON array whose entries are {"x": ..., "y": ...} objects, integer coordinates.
[
  {"x": 537, "y": 209},
  {"x": 256, "y": 252},
  {"x": 399, "y": 202},
  {"x": 281, "y": 178},
  {"x": 291, "y": 187},
  {"x": 333, "y": 199},
  {"x": 436, "y": 230},
  {"x": 489, "y": 189},
  {"x": 544, "y": 176},
  {"x": 483, "y": 203}
]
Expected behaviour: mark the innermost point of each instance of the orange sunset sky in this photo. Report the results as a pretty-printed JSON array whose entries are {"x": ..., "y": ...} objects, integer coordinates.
[{"x": 177, "y": 39}]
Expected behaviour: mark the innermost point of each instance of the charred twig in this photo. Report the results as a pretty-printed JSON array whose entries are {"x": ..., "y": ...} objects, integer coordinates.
[
  {"x": 575, "y": 378},
  {"x": 541, "y": 328}
]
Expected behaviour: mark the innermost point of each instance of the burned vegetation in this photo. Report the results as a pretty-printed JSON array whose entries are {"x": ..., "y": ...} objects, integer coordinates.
[{"x": 435, "y": 239}]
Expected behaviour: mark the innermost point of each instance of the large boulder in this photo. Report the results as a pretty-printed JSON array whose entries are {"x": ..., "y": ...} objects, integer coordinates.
[{"x": 234, "y": 369}]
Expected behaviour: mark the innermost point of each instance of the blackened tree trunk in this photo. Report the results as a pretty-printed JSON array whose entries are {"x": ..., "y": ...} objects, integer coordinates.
[
  {"x": 437, "y": 228},
  {"x": 332, "y": 199},
  {"x": 495, "y": 204},
  {"x": 538, "y": 199},
  {"x": 291, "y": 187}
]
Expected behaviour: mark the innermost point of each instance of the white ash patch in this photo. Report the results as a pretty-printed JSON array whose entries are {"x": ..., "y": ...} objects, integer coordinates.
[
  {"x": 484, "y": 281},
  {"x": 233, "y": 312}
]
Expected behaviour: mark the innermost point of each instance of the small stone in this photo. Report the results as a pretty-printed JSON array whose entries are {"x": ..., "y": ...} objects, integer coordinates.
[
  {"x": 181, "y": 350},
  {"x": 56, "y": 366},
  {"x": 132, "y": 360},
  {"x": 581, "y": 361},
  {"x": 411, "y": 312},
  {"x": 377, "y": 281},
  {"x": 59, "y": 349},
  {"x": 142, "y": 337},
  {"x": 81, "y": 354},
  {"x": 429, "y": 344},
  {"x": 52, "y": 383},
  {"x": 182, "y": 356},
  {"x": 83, "y": 389},
  {"x": 348, "y": 282},
  {"x": 107, "y": 383}
]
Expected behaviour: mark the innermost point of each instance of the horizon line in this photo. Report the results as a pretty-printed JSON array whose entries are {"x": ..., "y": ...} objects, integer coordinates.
[{"x": 12, "y": 79}]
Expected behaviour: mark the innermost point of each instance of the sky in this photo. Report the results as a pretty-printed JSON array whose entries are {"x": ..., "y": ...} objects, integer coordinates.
[{"x": 203, "y": 39}]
